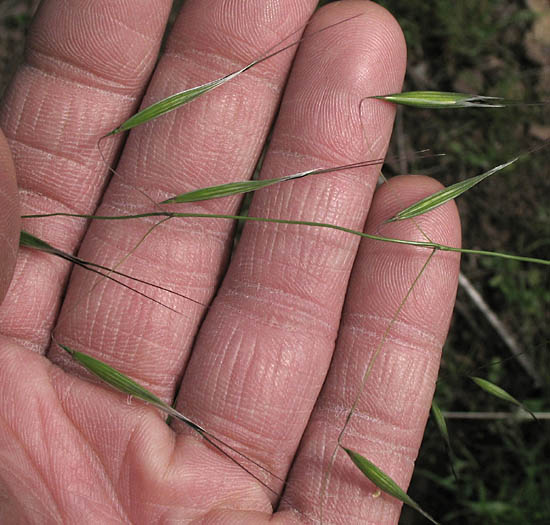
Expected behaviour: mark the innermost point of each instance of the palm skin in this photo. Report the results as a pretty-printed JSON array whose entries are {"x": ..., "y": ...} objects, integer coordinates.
[{"x": 295, "y": 307}]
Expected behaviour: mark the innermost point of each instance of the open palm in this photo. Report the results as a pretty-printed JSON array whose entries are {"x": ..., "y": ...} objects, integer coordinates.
[{"x": 294, "y": 305}]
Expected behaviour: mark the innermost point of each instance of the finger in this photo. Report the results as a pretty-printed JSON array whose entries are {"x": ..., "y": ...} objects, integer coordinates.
[
  {"x": 388, "y": 422},
  {"x": 264, "y": 348},
  {"x": 217, "y": 138},
  {"x": 86, "y": 66},
  {"x": 9, "y": 217}
]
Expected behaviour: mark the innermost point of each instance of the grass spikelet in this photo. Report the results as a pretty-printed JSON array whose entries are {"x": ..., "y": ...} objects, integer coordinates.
[
  {"x": 175, "y": 101},
  {"x": 183, "y": 97},
  {"x": 239, "y": 187},
  {"x": 128, "y": 386},
  {"x": 30, "y": 241},
  {"x": 441, "y": 100},
  {"x": 124, "y": 384},
  {"x": 444, "y": 431},
  {"x": 384, "y": 482},
  {"x": 499, "y": 392},
  {"x": 235, "y": 188},
  {"x": 447, "y": 194}
]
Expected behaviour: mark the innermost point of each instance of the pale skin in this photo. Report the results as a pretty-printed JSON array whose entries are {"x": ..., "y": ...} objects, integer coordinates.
[{"x": 297, "y": 305}]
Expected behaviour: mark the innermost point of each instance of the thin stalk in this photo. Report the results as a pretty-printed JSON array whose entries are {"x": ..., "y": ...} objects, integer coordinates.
[
  {"x": 510, "y": 416},
  {"x": 366, "y": 375},
  {"x": 421, "y": 244}
]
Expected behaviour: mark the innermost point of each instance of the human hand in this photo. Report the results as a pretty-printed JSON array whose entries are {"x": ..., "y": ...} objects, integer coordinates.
[{"x": 251, "y": 372}]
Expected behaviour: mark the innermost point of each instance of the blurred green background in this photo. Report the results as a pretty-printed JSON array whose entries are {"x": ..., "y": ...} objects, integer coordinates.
[{"x": 497, "y": 48}]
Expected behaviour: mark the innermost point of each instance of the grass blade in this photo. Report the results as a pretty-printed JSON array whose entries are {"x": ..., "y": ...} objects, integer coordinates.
[
  {"x": 447, "y": 194},
  {"x": 499, "y": 392},
  {"x": 441, "y": 99},
  {"x": 384, "y": 482},
  {"x": 234, "y": 188}
]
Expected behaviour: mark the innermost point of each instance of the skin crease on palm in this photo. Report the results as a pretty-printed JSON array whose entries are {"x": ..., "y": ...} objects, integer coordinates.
[{"x": 276, "y": 361}]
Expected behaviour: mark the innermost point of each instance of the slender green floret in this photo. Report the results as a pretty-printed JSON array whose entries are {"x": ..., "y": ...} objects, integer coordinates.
[
  {"x": 384, "y": 482},
  {"x": 184, "y": 97},
  {"x": 441, "y": 99},
  {"x": 499, "y": 392},
  {"x": 447, "y": 194}
]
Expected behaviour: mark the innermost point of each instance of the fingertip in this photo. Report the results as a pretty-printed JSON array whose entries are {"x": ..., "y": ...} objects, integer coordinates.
[
  {"x": 9, "y": 217},
  {"x": 354, "y": 49},
  {"x": 386, "y": 40},
  {"x": 398, "y": 265},
  {"x": 383, "y": 19}
]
